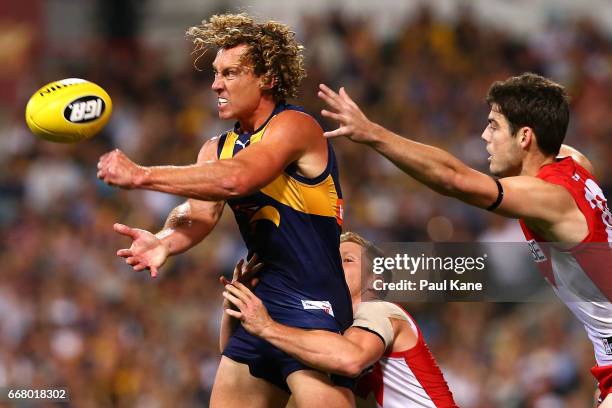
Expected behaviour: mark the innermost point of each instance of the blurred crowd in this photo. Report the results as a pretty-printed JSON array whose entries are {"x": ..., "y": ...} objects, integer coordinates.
[{"x": 74, "y": 315}]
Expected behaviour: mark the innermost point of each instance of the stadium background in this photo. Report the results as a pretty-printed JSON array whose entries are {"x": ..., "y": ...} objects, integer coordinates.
[{"x": 73, "y": 315}]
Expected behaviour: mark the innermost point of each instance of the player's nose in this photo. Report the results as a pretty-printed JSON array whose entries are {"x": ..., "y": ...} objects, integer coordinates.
[
  {"x": 485, "y": 136},
  {"x": 217, "y": 84}
]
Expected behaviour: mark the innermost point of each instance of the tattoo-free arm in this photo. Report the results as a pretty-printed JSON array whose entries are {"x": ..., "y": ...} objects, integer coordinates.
[
  {"x": 347, "y": 354},
  {"x": 327, "y": 351},
  {"x": 525, "y": 197},
  {"x": 286, "y": 139}
]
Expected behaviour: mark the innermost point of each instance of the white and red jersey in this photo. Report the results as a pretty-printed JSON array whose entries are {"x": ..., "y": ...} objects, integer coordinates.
[
  {"x": 409, "y": 378},
  {"x": 581, "y": 276}
]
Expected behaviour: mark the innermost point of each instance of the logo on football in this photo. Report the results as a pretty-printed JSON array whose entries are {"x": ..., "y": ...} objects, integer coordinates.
[
  {"x": 84, "y": 109},
  {"x": 68, "y": 111}
]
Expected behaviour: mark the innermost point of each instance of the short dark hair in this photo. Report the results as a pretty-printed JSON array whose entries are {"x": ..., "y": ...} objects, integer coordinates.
[{"x": 536, "y": 102}]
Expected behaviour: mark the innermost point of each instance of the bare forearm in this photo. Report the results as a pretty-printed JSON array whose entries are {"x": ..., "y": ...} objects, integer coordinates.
[
  {"x": 188, "y": 224},
  {"x": 428, "y": 164},
  {"x": 320, "y": 349},
  {"x": 211, "y": 181}
]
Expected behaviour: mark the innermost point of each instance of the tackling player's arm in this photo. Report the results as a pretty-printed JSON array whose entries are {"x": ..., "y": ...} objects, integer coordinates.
[
  {"x": 347, "y": 354},
  {"x": 523, "y": 197},
  {"x": 288, "y": 138}
]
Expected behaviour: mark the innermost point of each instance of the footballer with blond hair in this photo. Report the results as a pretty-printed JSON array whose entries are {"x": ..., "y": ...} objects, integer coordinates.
[{"x": 279, "y": 176}]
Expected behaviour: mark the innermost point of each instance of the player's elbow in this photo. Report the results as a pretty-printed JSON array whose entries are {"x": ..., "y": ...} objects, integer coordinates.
[
  {"x": 349, "y": 366},
  {"x": 237, "y": 185},
  {"x": 351, "y": 369},
  {"x": 449, "y": 183},
  {"x": 462, "y": 184}
]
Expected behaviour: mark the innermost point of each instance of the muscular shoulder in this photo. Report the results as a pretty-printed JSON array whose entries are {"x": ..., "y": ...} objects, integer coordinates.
[
  {"x": 373, "y": 309},
  {"x": 375, "y": 316},
  {"x": 208, "y": 151},
  {"x": 540, "y": 198},
  {"x": 293, "y": 124},
  {"x": 547, "y": 206}
]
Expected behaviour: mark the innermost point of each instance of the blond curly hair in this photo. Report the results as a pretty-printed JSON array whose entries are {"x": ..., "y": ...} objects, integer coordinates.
[{"x": 272, "y": 51}]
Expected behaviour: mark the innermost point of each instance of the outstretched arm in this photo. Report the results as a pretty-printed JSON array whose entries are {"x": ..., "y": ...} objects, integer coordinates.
[
  {"x": 186, "y": 225},
  {"x": 347, "y": 354},
  {"x": 287, "y": 138},
  {"x": 524, "y": 197}
]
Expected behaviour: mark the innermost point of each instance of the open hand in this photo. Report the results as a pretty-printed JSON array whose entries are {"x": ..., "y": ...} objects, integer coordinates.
[
  {"x": 353, "y": 123},
  {"x": 146, "y": 252}
]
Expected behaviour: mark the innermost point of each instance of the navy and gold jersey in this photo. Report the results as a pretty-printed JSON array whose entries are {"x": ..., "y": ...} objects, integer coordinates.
[{"x": 293, "y": 224}]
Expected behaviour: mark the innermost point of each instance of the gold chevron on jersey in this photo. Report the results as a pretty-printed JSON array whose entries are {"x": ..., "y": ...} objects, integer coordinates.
[{"x": 318, "y": 199}]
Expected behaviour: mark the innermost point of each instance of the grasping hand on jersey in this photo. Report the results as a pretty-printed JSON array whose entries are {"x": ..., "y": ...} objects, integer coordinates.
[
  {"x": 244, "y": 273},
  {"x": 251, "y": 311},
  {"x": 353, "y": 122}
]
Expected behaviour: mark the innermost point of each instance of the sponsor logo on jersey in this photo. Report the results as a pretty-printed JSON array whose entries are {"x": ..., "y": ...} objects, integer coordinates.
[
  {"x": 607, "y": 343},
  {"x": 339, "y": 211},
  {"x": 536, "y": 251},
  {"x": 241, "y": 144},
  {"x": 323, "y": 305}
]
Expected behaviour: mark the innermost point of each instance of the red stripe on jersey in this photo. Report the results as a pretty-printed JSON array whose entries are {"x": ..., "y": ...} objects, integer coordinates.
[
  {"x": 595, "y": 260},
  {"x": 424, "y": 367},
  {"x": 604, "y": 378}
]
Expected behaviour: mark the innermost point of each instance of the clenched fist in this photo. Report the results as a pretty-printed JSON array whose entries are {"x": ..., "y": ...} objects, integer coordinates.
[{"x": 116, "y": 169}]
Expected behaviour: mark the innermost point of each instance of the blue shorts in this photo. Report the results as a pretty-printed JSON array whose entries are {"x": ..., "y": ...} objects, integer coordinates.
[{"x": 268, "y": 362}]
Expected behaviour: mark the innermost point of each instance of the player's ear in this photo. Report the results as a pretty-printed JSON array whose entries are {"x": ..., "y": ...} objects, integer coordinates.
[
  {"x": 525, "y": 137},
  {"x": 267, "y": 82}
]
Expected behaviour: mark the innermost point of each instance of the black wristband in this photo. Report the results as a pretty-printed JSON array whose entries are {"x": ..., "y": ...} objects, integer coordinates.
[{"x": 500, "y": 196}]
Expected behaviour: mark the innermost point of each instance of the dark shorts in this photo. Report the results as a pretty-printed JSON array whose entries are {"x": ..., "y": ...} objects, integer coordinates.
[{"x": 267, "y": 362}]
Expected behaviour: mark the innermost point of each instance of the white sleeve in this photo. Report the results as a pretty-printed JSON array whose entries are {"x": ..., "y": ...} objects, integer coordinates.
[{"x": 374, "y": 316}]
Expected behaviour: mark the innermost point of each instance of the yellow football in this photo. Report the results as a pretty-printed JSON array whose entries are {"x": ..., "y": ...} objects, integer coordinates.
[{"x": 68, "y": 110}]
